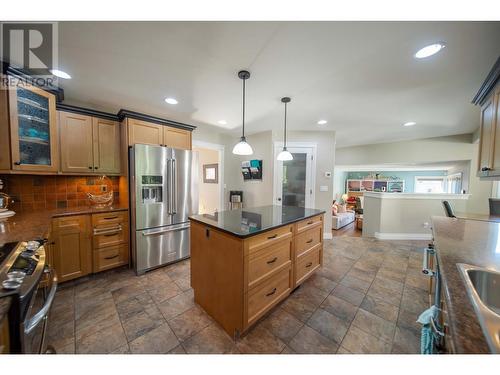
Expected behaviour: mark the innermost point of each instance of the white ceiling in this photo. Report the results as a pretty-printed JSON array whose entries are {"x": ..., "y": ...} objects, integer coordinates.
[{"x": 360, "y": 76}]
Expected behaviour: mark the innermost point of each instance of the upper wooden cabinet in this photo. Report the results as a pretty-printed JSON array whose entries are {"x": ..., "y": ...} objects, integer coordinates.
[
  {"x": 76, "y": 142},
  {"x": 89, "y": 144},
  {"x": 144, "y": 132},
  {"x": 489, "y": 142},
  {"x": 106, "y": 137},
  {"x": 33, "y": 129},
  {"x": 149, "y": 133}
]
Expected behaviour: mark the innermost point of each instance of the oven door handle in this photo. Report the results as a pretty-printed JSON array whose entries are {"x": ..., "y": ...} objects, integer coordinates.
[
  {"x": 425, "y": 263},
  {"x": 42, "y": 314}
]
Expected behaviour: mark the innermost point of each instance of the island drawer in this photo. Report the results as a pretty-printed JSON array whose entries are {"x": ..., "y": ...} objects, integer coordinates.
[
  {"x": 268, "y": 238},
  {"x": 264, "y": 296},
  {"x": 307, "y": 264},
  {"x": 307, "y": 239},
  {"x": 109, "y": 219},
  {"x": 312, "y": 222},
  {"x": 265, "y": 262},
  {"x": 110, "y": 257}
]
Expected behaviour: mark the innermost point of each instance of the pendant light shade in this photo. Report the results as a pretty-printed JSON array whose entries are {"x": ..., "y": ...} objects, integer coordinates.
[
  {"x": 242, "y": 147},
  {"x": 285, "y": 155}
]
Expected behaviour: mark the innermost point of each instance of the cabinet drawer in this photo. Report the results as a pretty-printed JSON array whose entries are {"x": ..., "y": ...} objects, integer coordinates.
[
  {"x": 110, "y": 257},
  {"x": 265, "y": 296},
  {"x": 115, "y": 235},
  {"x": 69, "y": 223},
  {"x": 307, "y": 264},
  {"x": 307, "y": 239},
  {"x": 265, "y": 262},
  {"x": 312, "y": 222},
  {"x": 268, "y": 238},
  {"x": 109, "y": 218}
]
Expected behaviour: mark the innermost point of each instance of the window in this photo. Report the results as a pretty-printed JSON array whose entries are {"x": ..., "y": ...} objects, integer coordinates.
[
  {"x": 454, "y": 183},
  {"x": 432, "y": 185}
]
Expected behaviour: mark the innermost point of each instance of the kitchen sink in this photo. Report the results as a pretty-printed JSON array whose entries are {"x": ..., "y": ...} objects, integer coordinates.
[{"x": 483, "y": 288}]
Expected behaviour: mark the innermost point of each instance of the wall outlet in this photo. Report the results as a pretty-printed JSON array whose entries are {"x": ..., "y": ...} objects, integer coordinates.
[{"x": 323, "y": 188}]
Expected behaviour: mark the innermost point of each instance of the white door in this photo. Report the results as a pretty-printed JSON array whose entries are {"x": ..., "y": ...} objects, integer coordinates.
[{"x": 294, "y": 179}]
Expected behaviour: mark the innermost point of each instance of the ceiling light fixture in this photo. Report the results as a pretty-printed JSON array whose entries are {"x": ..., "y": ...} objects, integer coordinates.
[
  {"x": 60, "y": 74},
  {"x": 410, "y": 123},
  {"x": 171, "y": 100},
  {"x": 429, "y": 50},
  {"x": 285, "y": 155},
  {"x": 322, "y": 122},
  {"x": 242, "y": 147},
  {"x": 222, "y": 122}
]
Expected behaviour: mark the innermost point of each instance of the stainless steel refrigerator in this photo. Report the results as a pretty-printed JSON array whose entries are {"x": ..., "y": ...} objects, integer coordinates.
[{"x": 163, "y": 194}]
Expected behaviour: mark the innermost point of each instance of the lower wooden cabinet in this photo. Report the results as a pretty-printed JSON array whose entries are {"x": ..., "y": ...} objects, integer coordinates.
[
  {"x": 237, "y": 281},
  {"x": 83, "y": 244},
  {"x": 72, "y": 256}
]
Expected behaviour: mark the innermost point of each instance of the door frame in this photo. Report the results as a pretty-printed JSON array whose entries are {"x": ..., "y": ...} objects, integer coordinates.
[
  {"x": 278, "y": 146},
  {"x": 220, "y": 149}
]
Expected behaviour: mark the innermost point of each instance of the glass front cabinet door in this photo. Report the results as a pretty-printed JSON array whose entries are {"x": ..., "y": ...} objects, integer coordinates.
[{"x": 33, "y": 127}]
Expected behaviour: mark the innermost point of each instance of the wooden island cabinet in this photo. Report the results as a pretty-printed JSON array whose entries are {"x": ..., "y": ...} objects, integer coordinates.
[{"x": 244, "y": 262}]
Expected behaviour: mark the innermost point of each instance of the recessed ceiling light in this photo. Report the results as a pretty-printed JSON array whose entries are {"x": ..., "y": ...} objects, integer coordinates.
[
  {"x": 60, "y": 74},
  {"x": 222, "y": 122},
  {"x": 410, "y": 123},
  {"x": 322, "y": 122},
  {"x": 171, "y": 100},
  {"x": 429, "y": 50}
]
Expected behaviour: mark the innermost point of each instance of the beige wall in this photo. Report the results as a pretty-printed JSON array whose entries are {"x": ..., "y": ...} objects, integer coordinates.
[
  {"x": 208, "y": 193},
  {"x": 430, "y": 150},
  {"x": 391, "y": 218}
]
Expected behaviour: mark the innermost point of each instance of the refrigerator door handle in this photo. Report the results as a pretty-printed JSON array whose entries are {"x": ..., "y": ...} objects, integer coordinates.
[
  {"x": 167, "y": 230},
  {"x": 169, "y": 186},
  {"x": 174, "y": 187}
]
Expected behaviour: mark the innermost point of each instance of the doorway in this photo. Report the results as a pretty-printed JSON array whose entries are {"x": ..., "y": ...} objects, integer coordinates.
[
  {"x": 210, "y": 187},
  {"x": 294, "y": 179}
]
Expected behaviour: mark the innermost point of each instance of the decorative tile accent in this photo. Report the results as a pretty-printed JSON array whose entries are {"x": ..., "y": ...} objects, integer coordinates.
[{"x": 33, "y": 192}]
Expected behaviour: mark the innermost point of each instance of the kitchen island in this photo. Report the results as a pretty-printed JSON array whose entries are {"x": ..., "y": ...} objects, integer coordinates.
[{"x": 244, "y": 262}]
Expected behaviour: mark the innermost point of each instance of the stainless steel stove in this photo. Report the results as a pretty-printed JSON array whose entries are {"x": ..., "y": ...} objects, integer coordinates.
[{"x": 26, "y": 276}]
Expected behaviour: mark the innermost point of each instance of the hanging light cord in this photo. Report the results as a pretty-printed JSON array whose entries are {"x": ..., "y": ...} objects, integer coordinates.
[
  {"x": 284, "y": 137},
  {"x": 244, "y": 107}
]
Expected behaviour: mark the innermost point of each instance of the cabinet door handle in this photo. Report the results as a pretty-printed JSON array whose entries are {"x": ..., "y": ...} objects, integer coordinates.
[
  {"x": 113, "y": 257},
  {"x": 17, "y": 163},
  {"x": 271, "y": 293},
  {"x": 309, "y": 264},
  {"x": 96, "y": 167},
  {"x": 272, "y": 260},
  {"x": 110, "y": 218},
  {"x": 484, "y": 169},
  {"x": 311, "y": 240},
  {"x": 273, "y": 236}
]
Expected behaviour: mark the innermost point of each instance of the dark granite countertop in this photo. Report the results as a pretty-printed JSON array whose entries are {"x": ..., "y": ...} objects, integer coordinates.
[
  {"x": 248, "y": 222},
  {"x": 473, "y": 242},
  {"x": 28, "y": 225}
]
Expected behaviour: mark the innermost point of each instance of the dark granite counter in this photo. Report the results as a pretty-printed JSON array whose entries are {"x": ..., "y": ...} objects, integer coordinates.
[
  {"x": 28, "y": 225},
  {"x": 474, "y": 242},
  {"x": 251, "y": 221}
]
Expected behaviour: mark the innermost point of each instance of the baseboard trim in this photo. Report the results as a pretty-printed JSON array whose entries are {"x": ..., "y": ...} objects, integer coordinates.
[
  {"x": 327, "y": 236},
  {"x": 403, "y": 236}
]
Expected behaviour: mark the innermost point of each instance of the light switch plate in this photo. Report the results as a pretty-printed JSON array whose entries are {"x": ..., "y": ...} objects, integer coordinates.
[{"x": 323, "y": 188}]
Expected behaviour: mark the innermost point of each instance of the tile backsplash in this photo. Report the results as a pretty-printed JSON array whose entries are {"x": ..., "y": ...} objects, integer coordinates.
[{"x": 31, "y": 192}]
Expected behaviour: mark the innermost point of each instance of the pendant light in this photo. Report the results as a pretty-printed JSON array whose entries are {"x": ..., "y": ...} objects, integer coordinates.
[
  {"x": 242, "y": 147},
  {"x": 285, "y": 155}
]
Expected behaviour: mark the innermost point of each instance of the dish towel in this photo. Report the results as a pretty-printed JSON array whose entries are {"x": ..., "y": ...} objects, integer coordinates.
[{"x": 428, "y": 337}]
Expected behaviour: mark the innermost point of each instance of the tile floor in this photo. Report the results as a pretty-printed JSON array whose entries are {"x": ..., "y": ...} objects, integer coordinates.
[{"x": 365, "y": 299}]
